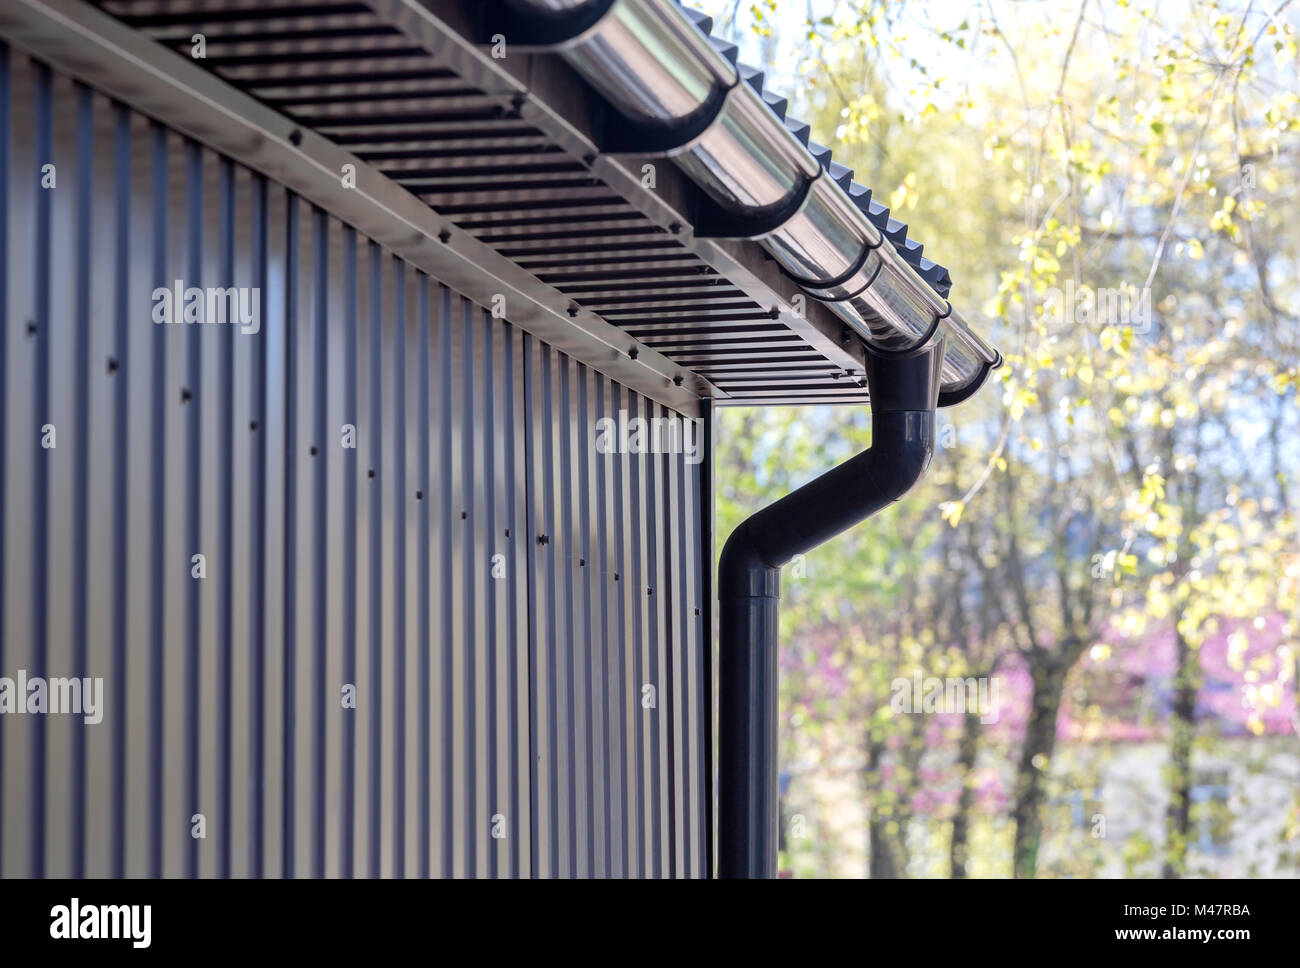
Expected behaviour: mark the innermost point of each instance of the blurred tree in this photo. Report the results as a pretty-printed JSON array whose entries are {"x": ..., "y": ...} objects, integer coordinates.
[{"x": 1116, "y": 191}]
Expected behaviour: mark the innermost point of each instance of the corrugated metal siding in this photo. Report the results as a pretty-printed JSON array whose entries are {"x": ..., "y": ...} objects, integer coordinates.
[{"x": 494, "y": 694}]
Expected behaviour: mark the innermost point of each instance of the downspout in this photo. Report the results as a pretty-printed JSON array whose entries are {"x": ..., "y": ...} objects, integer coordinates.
[{"x": 904, "y": 394}]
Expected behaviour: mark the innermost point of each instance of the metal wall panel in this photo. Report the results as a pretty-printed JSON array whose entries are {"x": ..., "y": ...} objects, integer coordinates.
[{"x": 500, "y": 593}]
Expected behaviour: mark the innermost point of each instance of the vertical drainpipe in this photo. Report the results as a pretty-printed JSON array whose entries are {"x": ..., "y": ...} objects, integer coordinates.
[{"x": 904, "y": 393}]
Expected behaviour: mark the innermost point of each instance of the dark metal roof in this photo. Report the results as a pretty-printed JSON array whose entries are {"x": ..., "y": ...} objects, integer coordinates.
[{"x": 505, "y": 152}]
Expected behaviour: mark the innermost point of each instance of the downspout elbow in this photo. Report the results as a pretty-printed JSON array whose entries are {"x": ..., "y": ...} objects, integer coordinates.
[
  {"x": 904, "y": 393},
  {"x": 901, "y": 449},
  {"x": 745, "y": 570}
]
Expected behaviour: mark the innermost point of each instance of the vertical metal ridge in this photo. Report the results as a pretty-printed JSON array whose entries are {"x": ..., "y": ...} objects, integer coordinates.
[
  {"x": 488, "y": 443},
  {"x": 398, "y": 582},
  {"x": 44, "y": 142},
  {"x": 601, "y": 512},
  {"x": 423, "y": 637},
  {"x": 80, "y": 604},
  {"x": 374, "y": 688},
  {"x": 468, "y": 571},
  {"x": 225, "y": 519},
  {"x": 678, "y": 648},
  {"x": 673, "y": 602},
  {"x": 685, "y": 602},
  {"x": 636, "y": 592},
  {"x": 622, "y": 707},
  {"x": 515, "y": 806},
  {"x": 320, "y": 548},
  {"x": 351, "y": 310},
  {"x": 563, "y": 695},
  {"x": 194, "y": 489},
  {"x": 258, "y": 539},
  {"x": 653, "y": 717},
  {"x": 447, "y": 644},
  {"x": 157, "y": 495},
  {"x": 121, "y": 458},
  {"x": 586, "y": 569},
  {"x": 547, "y": 525},
  {"x": 673, "y": 599},
  {"x": 290, "y": 618},
  {"x": 530, "y": 583}
]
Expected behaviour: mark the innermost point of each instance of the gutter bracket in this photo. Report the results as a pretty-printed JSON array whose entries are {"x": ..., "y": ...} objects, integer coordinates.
[
  {"x": 814, "y": 286},
  {"x": 545, "y": 33},
  {"x": 616, "y": 135},
  {"x": 712, "y": 221}
]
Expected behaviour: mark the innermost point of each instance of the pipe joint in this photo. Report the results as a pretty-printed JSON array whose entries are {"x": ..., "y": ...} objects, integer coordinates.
[{"x": 745, "y": 569}]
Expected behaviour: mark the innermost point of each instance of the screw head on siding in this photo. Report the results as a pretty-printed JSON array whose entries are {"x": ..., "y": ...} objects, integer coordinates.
[
  {"x": 295, "y": 137},
  {"x": 370, "y": 474},
  {"x": 573, "y": 310},
  {"x": 419, "y": 495},
  {"x": 582, "y": 562},
  {"x": 543, "y": 539},
  {"x": 675, "y": 228},
  {"x": 252, "y": 425},
  {"x": 186, "y": 396},
  {"x": 633, "y": 353},
  {"x": 464, "y": 515},
  {"x": 615, "y": 576},
  {"x": 507, "y": 532},
  {"x": 31, "y": 328},
  {"x": 112, "y": 365},
  {"x": 444, "y": 236},
  {"x": 312, "y": 450}
]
